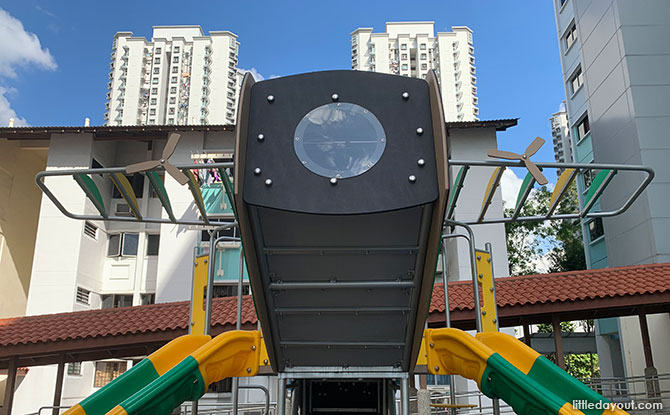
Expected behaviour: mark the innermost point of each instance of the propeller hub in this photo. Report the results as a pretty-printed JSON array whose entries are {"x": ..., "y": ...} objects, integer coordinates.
[
  {"x": 162, "y": 160},
  {"x": 524, "y": 156}
]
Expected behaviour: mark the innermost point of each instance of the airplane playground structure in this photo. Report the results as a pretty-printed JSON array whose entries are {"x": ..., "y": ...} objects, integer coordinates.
[{"x": 343, "y": 191}]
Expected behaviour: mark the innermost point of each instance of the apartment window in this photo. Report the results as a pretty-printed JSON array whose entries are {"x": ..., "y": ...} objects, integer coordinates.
[
  {"x": 175, "y": 59},
  {"x": 74, "y": 369},
  {"x": 229, "y": 290},
  {"x": 588, "y": 176},
  {"x": 157, "y": 70},
  {"x": 403, "y": 56},
  {"x": 117, "y": 300},
  {"x": 83, "y": 295},
  {"x": 157, "y": 61},
  {"x": 148, "y": 299},
  {"x": 153, "y": 241},
  {"x": 422, "y": 46},
  {"x": 122, "y": 244},
  {"x": 174, "y": 80},
  {"x": 176, "y": 49},
  {"x": 423, "y": 56},
  {"x": 576, "y": 80},
  {"x": 570, "y": 36},
  {"x": 173, "y": 100},
  {"x": 154, "y": 81},
  {"x": 90, "y": 229},
  {"x": 158, "y": 51},
  {"x": 152, "y": 111},
  {"x": 171, "y": 111},
  {"x": 596, "y": 229},
  {"x": 424, "y": 66},
  {"x": 173, "y": 89},
  {"x": 154, "y": 91},
  {"x": 437, "y": 380},
  {"x": 404, "y": 67},
  {"x": 403, "y": 46},
  {"x": 106, "y": 372},
  {"x": 175, "y": 69},
  {"x": 153, "y": 101},
  {"x": 152, "y": 122},
  {"x": 583, "y": 128}
]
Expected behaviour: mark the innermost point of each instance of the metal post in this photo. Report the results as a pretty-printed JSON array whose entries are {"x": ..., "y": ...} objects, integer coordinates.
[
  {"x": 210, "y": 281},
  {"x": 650, "y": 372},
  {"x": 526, "y": 334},
  {"x": 281, "y": 396},
  {"x": 265, "y": 391},
  {"x": 10, "y": 385},
  {"x": 238, "y": 326},
  {"x": 404, "y": 396},
  {"x": 59, "y": 384},
  {"x": 473, "y": 269},
  {"x": 496, "y": 320}
]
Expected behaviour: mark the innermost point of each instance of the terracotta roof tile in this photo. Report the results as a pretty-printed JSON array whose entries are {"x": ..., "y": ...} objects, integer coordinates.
[
  {"x": 510, "y": 292},
  {"x": 562, "y": 287}
]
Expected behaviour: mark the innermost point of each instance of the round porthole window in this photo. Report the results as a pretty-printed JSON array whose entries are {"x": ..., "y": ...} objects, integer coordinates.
[{"x": 339, "y": 140}]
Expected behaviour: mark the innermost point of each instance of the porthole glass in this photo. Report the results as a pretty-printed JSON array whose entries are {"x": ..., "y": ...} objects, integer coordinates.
[{"x": 339, "y": 140}]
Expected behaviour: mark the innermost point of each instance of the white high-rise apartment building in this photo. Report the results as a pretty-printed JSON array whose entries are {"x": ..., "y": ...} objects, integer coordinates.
[
  {"x": 412, "y": 49},
  {"x": 179, "y": 77},
  {"x": 561, "y": 138}
]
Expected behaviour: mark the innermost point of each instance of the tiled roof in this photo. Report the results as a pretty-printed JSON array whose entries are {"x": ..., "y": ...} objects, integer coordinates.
[
  {"x": 117, "y": 321},
  {"x": 562, "y": 287},
  {"x": 512, "y": 294}
]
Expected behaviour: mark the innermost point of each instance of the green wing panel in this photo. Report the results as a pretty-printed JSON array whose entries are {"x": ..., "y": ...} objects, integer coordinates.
[
  {"x": 456, "y": 190},
  {"x": 92, "y": 192},
  {"x": 597, "y": 187},
  {"x": 159, "y": 187}
]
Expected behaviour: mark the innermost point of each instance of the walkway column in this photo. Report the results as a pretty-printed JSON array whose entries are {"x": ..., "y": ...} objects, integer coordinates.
[
  {"x": 558, "y": 341},
  {"x": 59, "y": 384},
  {"x": 526, "y": 334},
  {"x": 650, "y": 372},
  {"x": 9, "y": 387}
]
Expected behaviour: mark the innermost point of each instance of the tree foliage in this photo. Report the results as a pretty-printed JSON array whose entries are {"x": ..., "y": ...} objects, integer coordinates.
[{"x": 558, "y": 243}]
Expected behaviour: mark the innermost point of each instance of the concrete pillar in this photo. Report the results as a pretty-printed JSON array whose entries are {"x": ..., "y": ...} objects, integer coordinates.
[
  {"x": 9, "y": 388},
  {"x": 558, "y": 341},
  {"x": 423, "y": 401},
  {"x": 59, "y": 384}
]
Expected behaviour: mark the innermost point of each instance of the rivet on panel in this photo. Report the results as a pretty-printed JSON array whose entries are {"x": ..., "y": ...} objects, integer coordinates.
[
  {"x": 248, "y": 370},
  {"x": 412, "y": 178},
  {"x": 271, "y": 98},
  {"x": 405, "y": 95},
  {"x": 260, "y": 137},
  {"x": 335, "y": 97},
  {"x": 419, "y": 131},
  {"x": 421, "y": 162},
  {"x": 437, "y": 368},
  {"x": 257, "y": 171},
  {"x": 333, "y": 180},
  {"x": 268, "y": 182}
]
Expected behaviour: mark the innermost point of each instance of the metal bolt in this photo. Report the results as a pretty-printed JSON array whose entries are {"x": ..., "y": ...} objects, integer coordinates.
[
  {"x": 488, "y": 259},
  {"x": 412, "y": 178},
  {"x": 248, "y": 370},
  {"x": 265, "y": 361},
  {"x": 268, "y": 182},
  {"x": 271, "y": 98},
  {"x": 419, "y": 131},
  {"x": 491, "y": 289},
  {"x": 432, "y": 345},
  {"x": 195, "y": 381},
  {"x": 483, "y": 312},
  {"x": 261, "y": 137},
  {"x": 437, "y": 368},
  {"x": 495, "y": 320},
  {"x": 162, "y": 160},
  {"x": 297, "y": 139},
  {"x": 335, "y": 97},
  {"x": 405, "y": 95},
  {"x": 205, "y": 261},
  {"x": 481, "y": 275},
  {"x": 257, "y": 171},
  {"x": 333, "y": 180},
  {"x": 253, "y": 347},
  {"x": 479, "y": 257},
  {"x": 421, "y": 162}
]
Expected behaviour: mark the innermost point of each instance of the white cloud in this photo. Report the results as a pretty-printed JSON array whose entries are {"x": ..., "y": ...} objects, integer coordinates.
[
  {"x": 6, "y": 111},
  {"x": 510, "y": 185},
  {"x": 257, "y": 76},
  {"x": 20, "y": 48}
]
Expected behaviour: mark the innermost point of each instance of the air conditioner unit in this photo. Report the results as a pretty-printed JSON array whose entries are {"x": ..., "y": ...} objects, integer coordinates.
[{"x": 122, "y": 209}]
